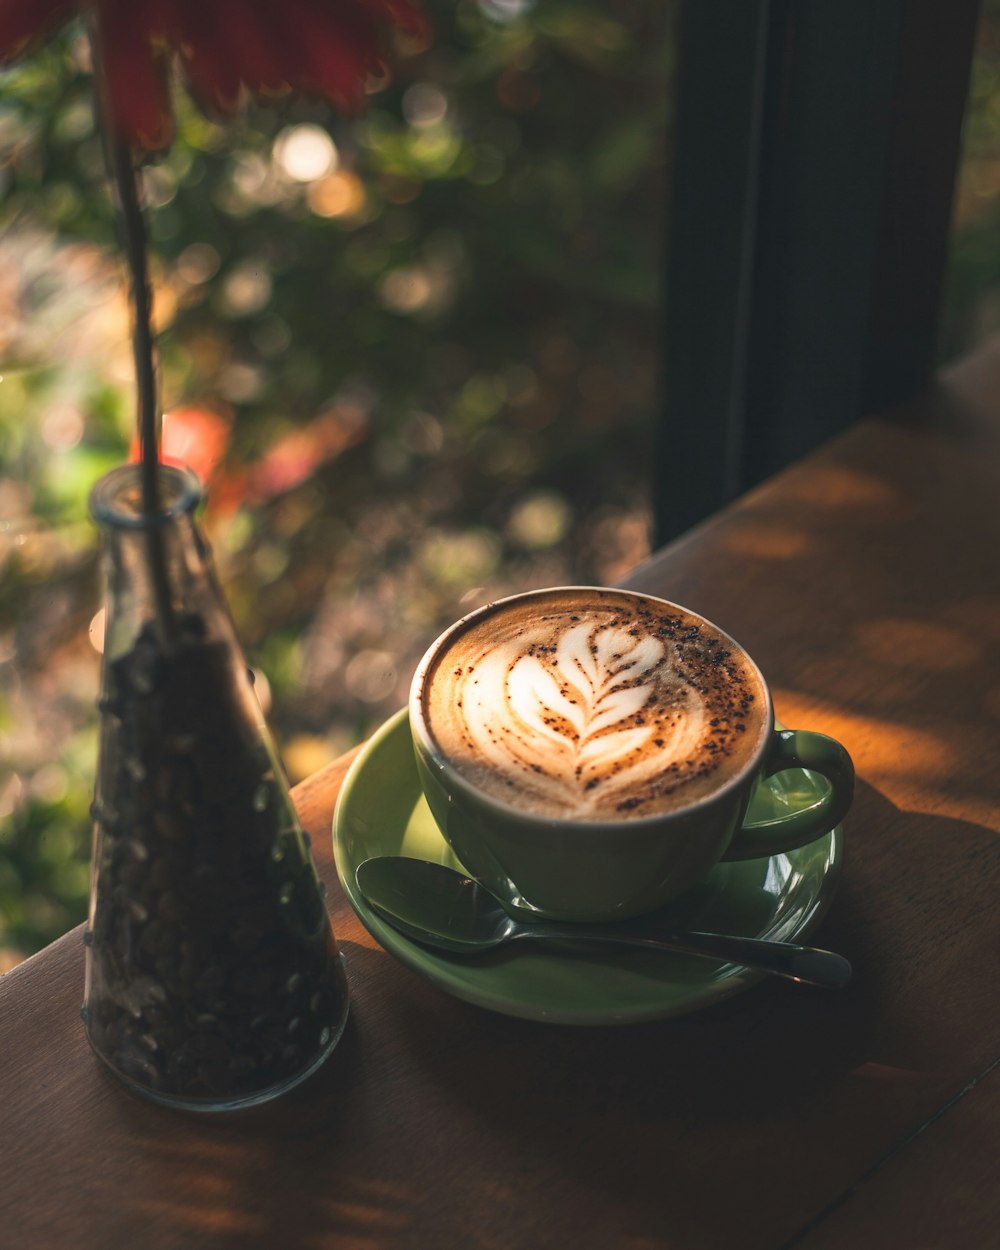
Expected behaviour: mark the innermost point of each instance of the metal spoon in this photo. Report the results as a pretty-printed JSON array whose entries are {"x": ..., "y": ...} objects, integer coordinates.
[{"x": 442, "y": 908}]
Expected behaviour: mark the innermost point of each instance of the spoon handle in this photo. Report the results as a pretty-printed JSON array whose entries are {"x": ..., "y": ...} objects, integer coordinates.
[{"x": 781, "y": 959}]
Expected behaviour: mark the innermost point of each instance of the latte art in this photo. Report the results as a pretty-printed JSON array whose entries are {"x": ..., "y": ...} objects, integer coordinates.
[
  {"x": 573, "y": 718},
  {"x": 594, "y": 705}
]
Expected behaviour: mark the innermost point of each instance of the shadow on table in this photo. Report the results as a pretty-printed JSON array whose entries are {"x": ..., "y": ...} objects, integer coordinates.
[{"x": 439, "y": 1123}]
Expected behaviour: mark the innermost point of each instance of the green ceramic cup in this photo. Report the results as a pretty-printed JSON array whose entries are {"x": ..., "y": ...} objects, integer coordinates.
[{"x": 596, "y": 868}]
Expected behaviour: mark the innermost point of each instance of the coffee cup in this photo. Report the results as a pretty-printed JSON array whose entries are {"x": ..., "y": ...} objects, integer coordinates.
[{"x": 590, "y": 754}]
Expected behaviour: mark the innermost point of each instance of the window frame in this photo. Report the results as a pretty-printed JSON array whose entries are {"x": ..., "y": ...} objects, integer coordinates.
[{"x": 815, "y": 149}]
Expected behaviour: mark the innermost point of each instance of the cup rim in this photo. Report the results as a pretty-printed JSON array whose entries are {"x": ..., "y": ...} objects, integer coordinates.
[{"x": 424, "y": 738}]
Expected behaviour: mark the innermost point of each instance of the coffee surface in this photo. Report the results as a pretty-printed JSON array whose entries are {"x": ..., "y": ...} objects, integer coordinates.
[{"x": 594, "y": 704}]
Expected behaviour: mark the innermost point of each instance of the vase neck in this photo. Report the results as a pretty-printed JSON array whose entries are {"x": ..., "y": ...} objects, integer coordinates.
[{"x": 116, "y": 500}]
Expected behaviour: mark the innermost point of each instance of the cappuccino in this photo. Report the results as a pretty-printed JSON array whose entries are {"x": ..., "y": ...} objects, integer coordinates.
[{"x": 591, "y": 704}]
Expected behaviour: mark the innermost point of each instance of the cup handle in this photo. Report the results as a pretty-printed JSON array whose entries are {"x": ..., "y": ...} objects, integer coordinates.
[{"x": 799, "y": 748}]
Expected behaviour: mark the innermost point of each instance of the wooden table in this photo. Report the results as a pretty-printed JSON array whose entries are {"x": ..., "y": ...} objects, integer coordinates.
[{"x": 864, "y": 580}]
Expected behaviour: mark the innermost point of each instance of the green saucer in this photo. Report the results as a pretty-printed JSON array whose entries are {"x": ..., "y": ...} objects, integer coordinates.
[{"x": 382, "y": 812}]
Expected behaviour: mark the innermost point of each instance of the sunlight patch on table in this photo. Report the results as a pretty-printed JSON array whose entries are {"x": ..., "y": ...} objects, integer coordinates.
[
  {"x": 221, "y": 1219},
  {"x": 836, "y": 486},
  {"x": 770, "y": 542},
  {"x": 882, "y": 749},
  {"x": 369, "y": 1210}
]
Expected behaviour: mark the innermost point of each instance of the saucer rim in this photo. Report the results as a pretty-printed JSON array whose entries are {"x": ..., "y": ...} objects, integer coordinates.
[{"x": 442, "y": 971}]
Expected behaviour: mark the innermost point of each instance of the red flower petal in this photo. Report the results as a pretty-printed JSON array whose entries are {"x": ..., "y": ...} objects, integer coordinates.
[
  {"x": 271, "y": 48},
  {"x": 335, "y": 52},
  {"x": 203, "y": 47},
  {"x": 24, "y": 21},
  {"x": 255, "y": 43},
  {"x": 324, "y": 47},
  {"x": 135, "y": 76},
  {"x": 237, "y": 43}
]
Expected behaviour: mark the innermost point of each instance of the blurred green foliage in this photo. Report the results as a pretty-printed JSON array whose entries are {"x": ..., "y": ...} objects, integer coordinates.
[
  {"x": 971, "y": 308},
  {"x": 428, "y": 334}
]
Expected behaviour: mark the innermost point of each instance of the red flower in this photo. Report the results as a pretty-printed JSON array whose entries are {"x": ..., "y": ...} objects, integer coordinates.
[{"x": 323, "y": 48}]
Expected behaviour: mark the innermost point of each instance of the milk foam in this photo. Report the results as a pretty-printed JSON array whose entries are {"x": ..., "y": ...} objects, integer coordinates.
[{"x": 595, "y": 710}]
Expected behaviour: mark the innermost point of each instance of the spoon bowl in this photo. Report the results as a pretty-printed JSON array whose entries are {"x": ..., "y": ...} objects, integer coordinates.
[{"x": 449, "y": 911}]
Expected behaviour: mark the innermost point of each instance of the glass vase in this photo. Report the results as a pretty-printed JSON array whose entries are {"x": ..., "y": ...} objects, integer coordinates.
[{"x": 213, "y": 978}]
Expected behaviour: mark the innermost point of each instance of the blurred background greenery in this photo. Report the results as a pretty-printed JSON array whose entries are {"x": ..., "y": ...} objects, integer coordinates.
[{"x": 413, "y": 355}]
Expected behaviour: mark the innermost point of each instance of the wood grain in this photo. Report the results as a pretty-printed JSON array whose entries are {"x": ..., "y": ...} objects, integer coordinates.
[{"x": 864, "y": 582}]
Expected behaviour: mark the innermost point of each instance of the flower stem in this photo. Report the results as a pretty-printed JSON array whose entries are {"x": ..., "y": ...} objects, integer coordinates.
[
  {"x": 134, "y": 240},
  {"x": 118, "y": 156}
]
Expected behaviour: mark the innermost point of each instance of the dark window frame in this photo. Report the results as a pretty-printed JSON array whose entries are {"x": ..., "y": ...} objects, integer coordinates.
[{"x": 815, "y": 153}]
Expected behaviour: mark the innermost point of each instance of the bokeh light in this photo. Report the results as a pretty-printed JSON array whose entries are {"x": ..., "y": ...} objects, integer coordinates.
[
  {"x": 198, "y": 263},
  {"x": 424, "y": 104},
  {"x": 539, "y": 521},
  {"x": 341, "y": 194},
  {"x": 62, "y": 426},
  {"x": 505, "y": 10},
  {"x": 246, "y": 289},
  {"x": 305, "y": 153}
]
